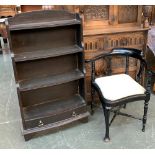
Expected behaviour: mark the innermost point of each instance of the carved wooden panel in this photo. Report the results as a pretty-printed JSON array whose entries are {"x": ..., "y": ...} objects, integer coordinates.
[
  {"x": 107, "y": 42},
  {"x": 127, "y": 14},
  {"x": 93, "y": 12},
  {"x": 95, "y": 15}
]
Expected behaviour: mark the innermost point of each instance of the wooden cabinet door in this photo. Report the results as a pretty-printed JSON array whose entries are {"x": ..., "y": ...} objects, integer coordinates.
[
  {"x": 127, "y": 15},
  {"x": 96, "y": 16}
]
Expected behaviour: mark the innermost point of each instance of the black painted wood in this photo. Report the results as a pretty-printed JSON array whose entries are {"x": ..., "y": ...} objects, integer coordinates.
[{"x": 127, "y": 65}]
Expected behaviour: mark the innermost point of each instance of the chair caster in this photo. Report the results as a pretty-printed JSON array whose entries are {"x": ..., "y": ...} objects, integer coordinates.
[{"x": 106, "y": 139}]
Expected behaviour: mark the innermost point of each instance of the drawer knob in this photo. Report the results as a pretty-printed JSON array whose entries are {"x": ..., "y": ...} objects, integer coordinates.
[
  {"x": 74, "y": 114},
  {"x": 40, "y": 123}
]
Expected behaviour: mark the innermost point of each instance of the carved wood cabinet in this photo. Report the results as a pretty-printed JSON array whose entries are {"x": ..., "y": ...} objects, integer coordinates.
[{"x": 107, "y": 27}]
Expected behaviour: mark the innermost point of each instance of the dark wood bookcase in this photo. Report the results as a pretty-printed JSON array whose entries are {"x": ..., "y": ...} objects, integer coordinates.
[{"x": 48, "y": 62}]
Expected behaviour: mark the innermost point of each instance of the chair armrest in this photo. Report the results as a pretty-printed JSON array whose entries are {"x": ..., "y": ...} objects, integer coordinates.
[{"x": 88, "y": 60}]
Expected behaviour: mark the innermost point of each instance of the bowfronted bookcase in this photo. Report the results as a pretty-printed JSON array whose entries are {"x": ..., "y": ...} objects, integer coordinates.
[{"x": 48, "y": 62}]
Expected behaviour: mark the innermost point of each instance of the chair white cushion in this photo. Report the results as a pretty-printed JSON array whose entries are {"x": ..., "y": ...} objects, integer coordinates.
[{"x": 118, "y": 86}]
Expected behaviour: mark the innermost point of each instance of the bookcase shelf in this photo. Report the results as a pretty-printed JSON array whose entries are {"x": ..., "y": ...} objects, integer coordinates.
[
  {"x": 44, "y": 24},
  {"x": 50, "y": 80},
  {"x": 45, "y": 53},
  {"x": 48, "y": 63},
  {"x": 31, "y": 112}
]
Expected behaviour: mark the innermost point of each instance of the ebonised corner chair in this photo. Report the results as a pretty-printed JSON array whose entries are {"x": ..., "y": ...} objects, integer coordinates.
[{"x": 129, "y": 90}]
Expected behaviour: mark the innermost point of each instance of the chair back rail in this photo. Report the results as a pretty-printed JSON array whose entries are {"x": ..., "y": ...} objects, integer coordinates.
[
  {"x": 127, "y": 65},
  {"x": 127, "y": 53}
]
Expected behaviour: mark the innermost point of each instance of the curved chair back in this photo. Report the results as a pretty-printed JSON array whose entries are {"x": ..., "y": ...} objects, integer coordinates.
[{"x": 121, "y": 52}]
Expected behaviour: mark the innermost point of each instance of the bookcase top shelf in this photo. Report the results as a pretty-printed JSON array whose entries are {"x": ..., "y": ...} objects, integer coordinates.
[{"x": 42, "y": 19}]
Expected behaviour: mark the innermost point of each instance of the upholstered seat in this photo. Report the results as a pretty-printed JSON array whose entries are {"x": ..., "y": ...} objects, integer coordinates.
[{"x": 119, "y": 86}]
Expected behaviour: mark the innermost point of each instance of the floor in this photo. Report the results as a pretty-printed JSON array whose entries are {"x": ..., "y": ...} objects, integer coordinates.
[{"x": 125, "y": 132}]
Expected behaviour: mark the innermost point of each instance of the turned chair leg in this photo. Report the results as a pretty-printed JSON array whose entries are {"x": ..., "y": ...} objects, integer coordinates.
[
  {"x": 145, "y": 115},
  {"x": 106, "y": 115},
  {"x": 92, "y": 100}
]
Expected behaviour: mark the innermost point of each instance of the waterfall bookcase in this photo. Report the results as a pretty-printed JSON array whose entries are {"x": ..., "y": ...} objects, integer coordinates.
[{"x": 48, "y": 62}]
